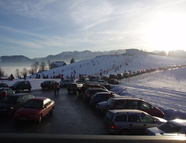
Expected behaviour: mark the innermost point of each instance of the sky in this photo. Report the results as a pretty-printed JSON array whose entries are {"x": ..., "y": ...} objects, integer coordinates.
[{"x": 38, "y": 28}]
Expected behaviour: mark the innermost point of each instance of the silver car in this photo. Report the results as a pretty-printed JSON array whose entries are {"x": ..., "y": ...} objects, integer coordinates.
[
  {"x": 176, "y": 127},
  {"x": 128, "y": 122}
]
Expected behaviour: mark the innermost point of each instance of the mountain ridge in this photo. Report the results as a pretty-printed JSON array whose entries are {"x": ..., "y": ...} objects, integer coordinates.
[{"x": 63, "y": 56}]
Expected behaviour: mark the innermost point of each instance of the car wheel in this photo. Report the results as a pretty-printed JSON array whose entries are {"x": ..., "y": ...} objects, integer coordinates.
[
  {"x": 40, "y": 119},
  {"x": 124, "y": 132}
]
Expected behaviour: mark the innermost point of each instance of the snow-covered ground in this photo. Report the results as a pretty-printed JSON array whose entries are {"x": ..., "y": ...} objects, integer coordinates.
[{"x": 164, "y": 89}]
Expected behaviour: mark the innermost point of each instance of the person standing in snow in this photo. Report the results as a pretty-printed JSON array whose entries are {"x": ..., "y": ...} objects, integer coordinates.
[{"x": 56, "y": 88}]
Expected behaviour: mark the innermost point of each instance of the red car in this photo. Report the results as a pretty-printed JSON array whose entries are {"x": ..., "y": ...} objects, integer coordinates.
[{"x": 35, "y": 109}]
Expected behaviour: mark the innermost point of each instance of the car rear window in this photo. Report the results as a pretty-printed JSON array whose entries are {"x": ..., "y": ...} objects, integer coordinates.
[
  {"x": 169, "y": 127},
  {"x": 109, "y": 115}
]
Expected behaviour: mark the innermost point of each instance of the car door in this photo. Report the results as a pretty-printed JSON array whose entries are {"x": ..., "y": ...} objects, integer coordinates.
[
  {"x": 134, "y": 124},
  {"x": 147, "y": 121}
]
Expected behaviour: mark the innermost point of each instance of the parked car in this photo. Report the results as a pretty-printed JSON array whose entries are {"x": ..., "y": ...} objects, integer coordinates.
[
  {"x": 106, "y": 78},
  {"x": 113, "y": 81},
  {"x": 83, "y": 79},
  {"x": 74, "y": 87},
  {"x": 101, "y": 96},
  {"x": 48, "y": 84},
  {"x": 91, "y": 91},
  {"x": 102, "y": 83},
  {"x": 126, "y": 74},
  {"x": 120, "y": 76},
  {"x": 7, "y": 89},
  {"x": 94, "y": 85},
  {"x": 3, "y": 85},
  {"x": 35, "y": 109},
  {"x": 94, "y": 78},
  {"x": 13, "y": 102},
  {"x": 127, "y": 122},
  {"x": 113, "y": 76},
  {"x": 21, "y": 85},
  {"x": 176, "y": 127},
  {"x": 132, "y": 103},
  {"x": 65, "y": 82},
  {"x": 102, "y": 106}
]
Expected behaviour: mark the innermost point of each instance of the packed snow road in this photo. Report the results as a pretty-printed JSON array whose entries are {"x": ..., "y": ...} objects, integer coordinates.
[{"x": 70, "y": 116}]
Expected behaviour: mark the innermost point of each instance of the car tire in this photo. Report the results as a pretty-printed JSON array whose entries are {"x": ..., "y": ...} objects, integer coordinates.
[{"x": 124, "y": 132}]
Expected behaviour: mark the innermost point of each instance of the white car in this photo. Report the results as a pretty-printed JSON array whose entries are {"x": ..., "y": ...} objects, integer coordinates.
[{"x": 176, "y": 127}]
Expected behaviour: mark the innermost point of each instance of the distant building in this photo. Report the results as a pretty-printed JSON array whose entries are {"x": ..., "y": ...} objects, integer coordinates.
[{"x": 57, "y": 64}]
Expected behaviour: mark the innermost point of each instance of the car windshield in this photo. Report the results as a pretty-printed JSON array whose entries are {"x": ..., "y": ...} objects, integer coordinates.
[
  {"x": 35, "y": 104},
  {"x": 17, "y": 83},
  {"x": 169, "y": 127},
  {"x": 10, "y": 99}
]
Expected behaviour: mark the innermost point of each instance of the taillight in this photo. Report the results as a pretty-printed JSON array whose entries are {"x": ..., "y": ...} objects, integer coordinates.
[{"x": 112, "y": 126}]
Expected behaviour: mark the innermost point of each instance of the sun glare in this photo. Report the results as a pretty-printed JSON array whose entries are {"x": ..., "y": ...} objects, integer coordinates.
[{"x": 168, "y": 32}]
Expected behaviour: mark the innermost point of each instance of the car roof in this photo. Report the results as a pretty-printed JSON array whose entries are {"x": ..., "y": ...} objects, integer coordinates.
[
  {"x": 20, "y": 94},
  {"x": 126, "y": 98},
  {"x": 39, "y": 98},
  {"x": 48, "y": 80},
  {"x": 23, "y": 81},
  {"x": 74, "y": 83},
  {"x": 116, "y": 111},
  {"x": 104, "y": 92},
  {"x": 96, "y": 88}
]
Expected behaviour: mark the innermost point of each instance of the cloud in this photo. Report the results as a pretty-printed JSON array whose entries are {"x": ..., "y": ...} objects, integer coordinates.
[{"x": 30, "y": 8}]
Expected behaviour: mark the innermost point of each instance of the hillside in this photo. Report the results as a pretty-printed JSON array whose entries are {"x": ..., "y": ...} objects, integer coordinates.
[{"x": 107, "y": 64}]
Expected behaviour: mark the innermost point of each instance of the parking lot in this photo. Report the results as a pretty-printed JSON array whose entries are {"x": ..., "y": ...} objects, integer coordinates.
[{"x": 70, "y": 116}]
